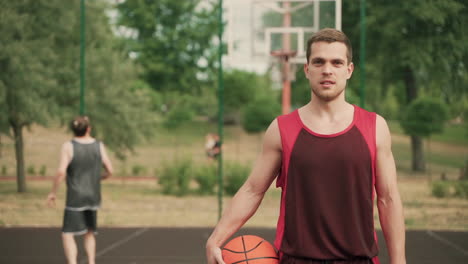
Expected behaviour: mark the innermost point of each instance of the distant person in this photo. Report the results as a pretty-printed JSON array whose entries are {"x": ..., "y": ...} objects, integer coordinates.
[
  {"x": 331, "y": 160},
  {"x": 81, "y": 161},
  {"x": 212, "y": 146}
]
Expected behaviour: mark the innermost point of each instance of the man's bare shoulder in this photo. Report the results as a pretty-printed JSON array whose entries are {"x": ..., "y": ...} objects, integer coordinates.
[
  {"x": 272, "y": 136},
  {"x": 382, "y": 131},
  {"x": 67, "y": 145}
]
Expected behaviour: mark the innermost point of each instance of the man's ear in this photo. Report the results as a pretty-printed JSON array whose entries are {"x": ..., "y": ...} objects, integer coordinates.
[
  {"x": 306, "y": 70},
  {"x": 350, "y": 70}
]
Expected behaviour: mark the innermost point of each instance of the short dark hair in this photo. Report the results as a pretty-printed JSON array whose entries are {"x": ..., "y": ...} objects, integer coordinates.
[
  {"x": 330, "y": 35},
  {"x": 79, "y": 125}
]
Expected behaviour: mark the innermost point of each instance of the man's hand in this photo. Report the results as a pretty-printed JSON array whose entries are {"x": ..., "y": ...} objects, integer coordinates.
[
  {"x": 213, "y": 255},
  {"x": 51, "y": 199},
  {"x": 105, "y": 175}
]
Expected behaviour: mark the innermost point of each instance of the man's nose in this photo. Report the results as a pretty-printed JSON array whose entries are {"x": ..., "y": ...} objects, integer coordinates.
[{"x": 326, "y": 69}]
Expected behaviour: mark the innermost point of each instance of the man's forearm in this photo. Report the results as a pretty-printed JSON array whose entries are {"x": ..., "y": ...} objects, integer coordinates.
[
  {"x": 393, "y": 227},
  {"x": 242, "y": 207},
  {"x": 57, "y": 180}
]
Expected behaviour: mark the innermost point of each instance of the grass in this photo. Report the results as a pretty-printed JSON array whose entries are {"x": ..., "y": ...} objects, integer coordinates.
[
  {"x": 456, "y": 134},
  {"x": 402, "y": 153},
  {"x": 140, "y": 203}
]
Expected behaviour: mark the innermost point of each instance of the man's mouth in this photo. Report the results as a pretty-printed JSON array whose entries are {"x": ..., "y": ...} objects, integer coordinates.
[{"x": 327, "y": 82}]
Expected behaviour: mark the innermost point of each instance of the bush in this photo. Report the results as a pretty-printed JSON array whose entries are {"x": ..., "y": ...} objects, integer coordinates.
[
  {"x": 424, "y": 117},
  {"x": 138, "y": 170},
  {"x": 4, "y": 170},
  {"x": 441, "y": 189},
  {"x": 258, "y": 114},
  {"x": 175, "y": 177},
  {"x": 43, "y": 170},
  {"x": 235, "y": 175},
  {"x": 461, "y": 189},
  {"x": 31, "y": 170},
  {"x": 177, "y": 116},
  {"x": 206, "y": 177}
]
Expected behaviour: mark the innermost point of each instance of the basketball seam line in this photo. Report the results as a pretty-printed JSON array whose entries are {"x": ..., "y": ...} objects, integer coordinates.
[
  {"x": 247, "y": 260},
  {"x": 233, "y": 251},
  {"x": 245, "y": 252}
]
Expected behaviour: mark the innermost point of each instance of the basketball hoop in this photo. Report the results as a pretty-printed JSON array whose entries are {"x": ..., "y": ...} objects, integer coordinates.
[
  {"x": 283, "y": 55},
  {"x": 288, "y": 70}
]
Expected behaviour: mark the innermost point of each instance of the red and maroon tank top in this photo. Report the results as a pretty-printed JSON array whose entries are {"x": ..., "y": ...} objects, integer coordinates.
[{"x": 327, "y": 184}]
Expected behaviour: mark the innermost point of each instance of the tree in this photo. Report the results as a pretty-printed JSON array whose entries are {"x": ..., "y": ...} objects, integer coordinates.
[
  {"x": 259, "y": 113},
  {"x": 172, "y": 41},
  {"x": 424, "y": 34},
  {"x": 26, "y": 78},
  {"x": 413, "y": 48},
  {"x": 424, "y": 117},
  {"x": 39, "y": 77},
  {"x": 241, "y": 88}
]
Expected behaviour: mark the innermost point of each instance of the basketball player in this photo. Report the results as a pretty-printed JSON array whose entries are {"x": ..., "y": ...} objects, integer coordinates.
[
  {"x": 328, "y": 157},
  {"x": 81, "y": 161}
]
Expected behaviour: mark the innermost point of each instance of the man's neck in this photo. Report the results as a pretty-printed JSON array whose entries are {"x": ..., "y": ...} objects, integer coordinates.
[
  {"x": 331, "y": 109},
  {"x": 85, "y": 138}
]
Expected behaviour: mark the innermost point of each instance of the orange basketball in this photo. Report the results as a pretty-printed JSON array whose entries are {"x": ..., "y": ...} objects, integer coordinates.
[{"x": 249, "y": 250}]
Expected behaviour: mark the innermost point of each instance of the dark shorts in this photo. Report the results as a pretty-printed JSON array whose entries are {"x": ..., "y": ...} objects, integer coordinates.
[
  {"x": 79, "y": 222},
  {"x": 286, "y": 259}
]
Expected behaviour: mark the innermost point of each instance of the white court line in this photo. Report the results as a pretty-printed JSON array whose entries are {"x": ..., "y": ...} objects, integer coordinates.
[
  {"x": 118, "y": 243},
  {"x": 441, "y": 239}
]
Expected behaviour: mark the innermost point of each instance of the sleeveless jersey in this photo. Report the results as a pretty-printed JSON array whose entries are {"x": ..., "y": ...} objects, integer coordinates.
[
  {"x": 327, "y": 184},
  {"x": 84, "y": 177}
]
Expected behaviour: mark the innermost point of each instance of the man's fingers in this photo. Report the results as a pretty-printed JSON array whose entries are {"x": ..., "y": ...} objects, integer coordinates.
[
  {"x": 218, "y": 256},
  {"x": 214, "y": 256},
  {"x": 220, "y": 260},
  {"x": 51, "y": 201}
]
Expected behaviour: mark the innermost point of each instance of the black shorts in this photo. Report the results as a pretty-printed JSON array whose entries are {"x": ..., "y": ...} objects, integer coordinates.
[
  {"x": 286, "y": 259},
  {"x": 79, "y": 222}
]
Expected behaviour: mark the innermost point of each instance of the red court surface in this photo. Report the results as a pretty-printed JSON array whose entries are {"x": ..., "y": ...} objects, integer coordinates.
[{"x": 186, "y": 245}]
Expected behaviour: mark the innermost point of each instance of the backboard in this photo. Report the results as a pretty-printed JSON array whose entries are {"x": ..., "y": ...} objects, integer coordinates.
[{"x": 257, "y": 28}]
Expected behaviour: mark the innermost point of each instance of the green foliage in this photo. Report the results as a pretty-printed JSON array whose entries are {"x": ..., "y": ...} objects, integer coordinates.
[
  {"x": 31, "y": 170},
  {"x": 461, "y": 189},
  {"x": 175, "y": 177},
  {"x": 389, "y": 107},
  {"x": 300, "y": 90},
  {"x": 207, "y": 178},
  {"x": 441, "y": 189},
  {"x": 429, "y": 37},
  {"x": 4, "y": 170},
  {"x": 235, "y": 175},
  {"x": 39, "y": 81},
  {"x": 138, "y": 170},
  {"x": 172, "y": 41},
  {"x": 258, "y": 114},
  {"x": 424, "y": 116},
  {"x": 177, "y": 116},
  {"x": 445, "y": 189},
  {"x": 465, "y": 119},
  {"x": 43, "y": 171},
  {"x": 241, "y": 88}
]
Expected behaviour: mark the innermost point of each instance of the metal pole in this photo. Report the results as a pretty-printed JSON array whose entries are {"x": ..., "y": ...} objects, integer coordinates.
[
  {"x": 82, "y": 56},
  {"x": 362, "y": 61},
  {"x": 220, "y": 110},
  {"x": 286, "y": 96}
]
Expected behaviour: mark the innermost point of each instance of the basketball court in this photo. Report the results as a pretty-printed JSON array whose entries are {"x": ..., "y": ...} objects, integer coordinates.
[
  {"x": 186, "y": 245},
  {"x": 276, "y": 37}
]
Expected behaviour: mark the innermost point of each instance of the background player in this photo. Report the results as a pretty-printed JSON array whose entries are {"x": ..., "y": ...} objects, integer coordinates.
[{"x": 81, "y": 161}]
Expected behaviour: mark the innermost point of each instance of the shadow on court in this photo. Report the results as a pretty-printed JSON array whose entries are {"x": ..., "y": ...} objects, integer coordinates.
[{"x": 186, "y": 245}]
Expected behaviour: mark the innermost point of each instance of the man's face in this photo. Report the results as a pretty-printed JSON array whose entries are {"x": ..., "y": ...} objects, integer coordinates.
[{"x": 328, "y": 69}]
